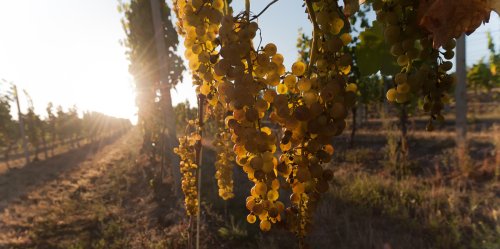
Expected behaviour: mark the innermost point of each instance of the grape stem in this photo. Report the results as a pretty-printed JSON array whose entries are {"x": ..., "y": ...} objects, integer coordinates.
[
  {"x": 247, "y": 13},
  {"x": 260, "y": 38},
  {"x": 314, "y": 42},
  {"x": 199, "y": 10},
  {"x": 226, "y": 9},
  {"x": 263, "y": 10},
  {"x": 247, "y": 9}
]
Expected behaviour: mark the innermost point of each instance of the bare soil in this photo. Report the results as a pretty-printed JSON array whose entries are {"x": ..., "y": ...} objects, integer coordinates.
[
  {"x": 104, "y": 195},
  {"x": 32, "y": 194}
]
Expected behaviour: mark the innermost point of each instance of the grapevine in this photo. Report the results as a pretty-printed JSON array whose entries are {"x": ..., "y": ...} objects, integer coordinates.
[
  {"x": 319, "y": 100},
  {"x": 281, "y": 123},
  {"x": 199, "y": 23},
  {"x": 305, "y": 102},
  {"x": 247, "y": 74},
  {"x": 423, "y": 67}
]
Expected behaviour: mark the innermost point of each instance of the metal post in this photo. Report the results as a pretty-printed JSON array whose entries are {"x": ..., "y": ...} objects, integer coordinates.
[
  {"x": 461, "y": 107},
  {"x": 461, "y": 95}
]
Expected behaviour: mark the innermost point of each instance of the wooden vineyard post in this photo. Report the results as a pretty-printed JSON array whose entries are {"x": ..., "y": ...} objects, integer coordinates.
[
  {"x": 199, "y": 161},
  {"x": 21, "y": 126},
  {"x": 171, "y": 138}
]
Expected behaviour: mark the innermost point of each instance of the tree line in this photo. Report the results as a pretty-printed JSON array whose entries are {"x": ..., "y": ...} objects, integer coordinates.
[{"x": 45, "y": 131}]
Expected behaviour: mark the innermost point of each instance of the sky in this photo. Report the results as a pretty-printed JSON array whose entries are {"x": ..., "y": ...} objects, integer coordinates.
[{"x": 68, "y": 51}]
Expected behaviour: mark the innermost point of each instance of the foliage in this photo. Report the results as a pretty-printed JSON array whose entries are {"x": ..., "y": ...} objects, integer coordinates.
[
  {"x": 371, "y": 89},
  {"x": 304, "y": 46},
  {"x": 65, "y": 126},
  {"x": 138, "y": 25},
  {"x": 9, "y": 128},
  {"x": 34, "y": 127},
  {"x": 485, "y": 75},
  {"x": 373, "y": 54},
  {"x": 370, "y": 58},
  {"x": 481, "y": 76},
  {"x": 184, "y": 112}
]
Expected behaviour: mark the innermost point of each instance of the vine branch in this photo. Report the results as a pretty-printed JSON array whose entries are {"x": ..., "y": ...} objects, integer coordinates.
[
  {"x": 226, "y": 9},
  {"x": 247, "y": 13},
  {"x": 247, "y": 9},
  {"x": 314, "y": 45},
  {"x": 263, "y": 10}
]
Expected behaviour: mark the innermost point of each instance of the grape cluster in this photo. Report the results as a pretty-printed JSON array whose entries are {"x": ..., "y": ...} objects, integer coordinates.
[
  {"x": 225, "y": 158},
  {"x": 312, "y": 112},
  {"x": 423, "y": 67},
  {"x": 247, "y": 74},
  {"x": 188, "y": 167},
  {"x": 199, "y": 22},
  {"x": 280, "y": 122}
]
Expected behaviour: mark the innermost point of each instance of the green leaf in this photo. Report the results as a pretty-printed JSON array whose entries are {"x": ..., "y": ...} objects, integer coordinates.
[{"x": 373, "y": 54}]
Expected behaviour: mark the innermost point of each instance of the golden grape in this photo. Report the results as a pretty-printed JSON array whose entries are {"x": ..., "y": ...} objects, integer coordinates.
[
  {"x": 391, "y": 94},
  {"x": 265, "y": 225},
  {"x": 298, "y": 68},
  {"x": 251, "y": 218}
]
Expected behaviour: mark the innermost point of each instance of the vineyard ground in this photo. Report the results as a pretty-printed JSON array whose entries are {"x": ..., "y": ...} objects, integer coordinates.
[
  {"x": 33, "y": 196},
  {"x": 102, "y": 197}
]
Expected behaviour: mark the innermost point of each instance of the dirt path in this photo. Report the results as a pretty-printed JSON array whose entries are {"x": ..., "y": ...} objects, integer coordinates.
[{"x": 31, "y": 195}]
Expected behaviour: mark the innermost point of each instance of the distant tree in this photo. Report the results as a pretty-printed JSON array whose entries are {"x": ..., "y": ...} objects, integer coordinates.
[
  {"x": 33, "y": 131},
  {"x": 481, "y": 76},
  {"x": 51, "y": 126},
  {"x": 89, "y": 125},
  {"x": 370, "y": 91},
  {"x": 62, "y": 125},
  {"x": 144, "y": 66},
  {"x": 484, "y": 75},
  {"x": 74, "y": 126},
  {"x": 303, "y": 46},
  {"x": 9, "y": 129},
  {"x": 33, "y": 126},
  {"x": 154, "y": 82},
  {"x": 183, "y": 113}
]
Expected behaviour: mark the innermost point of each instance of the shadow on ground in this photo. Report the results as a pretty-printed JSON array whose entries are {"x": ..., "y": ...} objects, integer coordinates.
[{"x": 18, "y": 181}]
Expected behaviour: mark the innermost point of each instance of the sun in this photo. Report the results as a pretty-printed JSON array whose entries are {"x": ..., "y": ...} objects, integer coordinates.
[{"x": 117, "y": 101}]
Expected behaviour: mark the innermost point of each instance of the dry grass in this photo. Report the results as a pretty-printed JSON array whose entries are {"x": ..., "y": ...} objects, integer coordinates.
[{"x": 376, "y": 199}]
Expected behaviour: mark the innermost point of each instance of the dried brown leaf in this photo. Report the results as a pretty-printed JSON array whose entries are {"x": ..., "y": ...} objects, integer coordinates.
[{"x": 447, "y": 19}]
